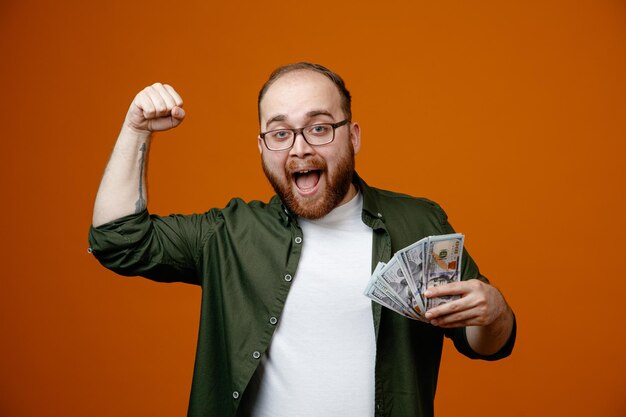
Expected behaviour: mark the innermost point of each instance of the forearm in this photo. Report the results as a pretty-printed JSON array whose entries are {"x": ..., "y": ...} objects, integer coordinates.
[
  {"x": 123, "y": 188},
  {"x": 489, "y": 339}
]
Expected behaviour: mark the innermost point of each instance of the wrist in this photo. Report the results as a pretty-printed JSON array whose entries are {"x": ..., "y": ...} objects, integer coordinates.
[{"x": 131, "y": 133}]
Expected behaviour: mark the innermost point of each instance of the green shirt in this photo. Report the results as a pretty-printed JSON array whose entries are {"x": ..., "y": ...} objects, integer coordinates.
[{"x": 244, "y": 257}]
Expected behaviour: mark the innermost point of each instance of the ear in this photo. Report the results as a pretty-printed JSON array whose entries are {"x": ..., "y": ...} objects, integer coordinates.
[
  {"x": 355, "y": 137},
  {"x": 260, "y": 144}
]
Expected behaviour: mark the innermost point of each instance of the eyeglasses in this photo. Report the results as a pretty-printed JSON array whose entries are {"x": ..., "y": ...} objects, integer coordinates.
[{"x": 315, "y": 135}]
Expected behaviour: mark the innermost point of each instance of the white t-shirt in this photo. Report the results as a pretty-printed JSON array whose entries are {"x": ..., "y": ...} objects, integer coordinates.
[{"x": 322, "y": 356}]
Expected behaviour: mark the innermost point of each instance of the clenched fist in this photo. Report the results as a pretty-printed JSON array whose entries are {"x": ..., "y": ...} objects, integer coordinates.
[{"x": 156, "y": 108}]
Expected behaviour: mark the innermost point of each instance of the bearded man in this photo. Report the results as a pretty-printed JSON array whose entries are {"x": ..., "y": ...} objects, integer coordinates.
[{"x": 285, "y": 329}]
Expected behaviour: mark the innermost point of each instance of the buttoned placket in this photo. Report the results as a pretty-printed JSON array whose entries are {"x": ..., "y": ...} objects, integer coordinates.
[
  {"x": 289, "y": 222},
  {"x": 381, "y": 252}
]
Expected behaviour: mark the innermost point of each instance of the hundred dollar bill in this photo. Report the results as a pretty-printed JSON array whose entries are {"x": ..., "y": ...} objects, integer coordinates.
[
  {"x": 395, "y": 279},
  {"x": 383, "y": 295},
  {"x": 408, "y": 312},
  {"x": 442, "y": 264},
  {"x": 411, "y": 261},
  {"x": 371, "y": 283}
]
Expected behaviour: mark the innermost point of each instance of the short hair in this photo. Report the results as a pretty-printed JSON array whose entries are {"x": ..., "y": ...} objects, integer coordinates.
[{"x": 346, "y": 99}]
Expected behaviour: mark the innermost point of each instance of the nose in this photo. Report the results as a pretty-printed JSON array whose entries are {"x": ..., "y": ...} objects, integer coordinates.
[{"x": 301, "y": 147}]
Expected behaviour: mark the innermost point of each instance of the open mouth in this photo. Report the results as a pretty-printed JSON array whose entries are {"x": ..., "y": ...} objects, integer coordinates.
[{"x": 306, "y": 180}]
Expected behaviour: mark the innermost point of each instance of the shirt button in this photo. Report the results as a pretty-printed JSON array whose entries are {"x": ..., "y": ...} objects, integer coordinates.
[
  {"x": 256, "y": 355},
  {"x": 235, "y": 394},
  {"x": 379, "y": 215},
  {"x": 298, "y": 239},
  {"x": 273, "y": 320},
  {"x": 288, "y": 277}
]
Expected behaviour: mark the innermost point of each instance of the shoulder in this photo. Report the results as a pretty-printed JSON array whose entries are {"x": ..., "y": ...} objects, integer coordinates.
[
  {"x": 239, "y": 204},
  {"x": 392, "y": 204},
  {"x": 406, "y": 218},
  {"x": 240, "y": 211},
  {"x": 393, "y": 198}
]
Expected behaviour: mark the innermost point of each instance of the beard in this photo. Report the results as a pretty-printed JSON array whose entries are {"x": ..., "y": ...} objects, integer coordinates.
[{"x": 337, "y": 186}]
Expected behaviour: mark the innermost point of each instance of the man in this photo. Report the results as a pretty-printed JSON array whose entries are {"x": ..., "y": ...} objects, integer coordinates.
[{"x": 284, "y": 328}]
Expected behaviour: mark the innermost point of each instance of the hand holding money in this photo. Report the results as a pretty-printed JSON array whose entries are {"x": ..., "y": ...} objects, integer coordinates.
[
  {"x": 478, "y": 304},
  {"x": 401, "y": 284}
]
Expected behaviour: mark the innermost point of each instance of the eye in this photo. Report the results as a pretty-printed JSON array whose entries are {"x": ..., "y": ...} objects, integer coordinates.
[
  {"x": 318, "y": 130},
  {"x": 280, "y": 134}
]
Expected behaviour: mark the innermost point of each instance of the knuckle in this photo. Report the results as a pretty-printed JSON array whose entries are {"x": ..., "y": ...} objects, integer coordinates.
[{"x": 475, "y": 284}]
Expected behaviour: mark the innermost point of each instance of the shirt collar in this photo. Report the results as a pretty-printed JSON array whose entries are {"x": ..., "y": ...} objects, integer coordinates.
[{"x": 373, "y": 215}]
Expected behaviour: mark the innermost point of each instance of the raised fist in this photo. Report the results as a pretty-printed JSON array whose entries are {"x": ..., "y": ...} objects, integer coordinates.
[{"x": 156, "y": 108}]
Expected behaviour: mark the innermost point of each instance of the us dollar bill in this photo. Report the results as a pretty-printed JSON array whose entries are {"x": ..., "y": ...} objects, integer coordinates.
[
  {"x": 442, "y": 265},
  {"x": 412, "y": 264},
  {"x": 377, "y": 291},
  {"x": 394, "y": 278},
  {"x": 400, "y": 284}
]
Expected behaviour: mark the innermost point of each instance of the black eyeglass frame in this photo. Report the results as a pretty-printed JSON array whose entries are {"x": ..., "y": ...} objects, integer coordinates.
[{"x": 300, "y": 130}]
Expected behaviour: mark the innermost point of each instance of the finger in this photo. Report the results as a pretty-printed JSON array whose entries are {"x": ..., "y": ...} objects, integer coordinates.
[
  {"x": 161, "y": 123},
  {"x": 160, "y": 89},
  {"x": 458, "y": 305},
  {"x": 145, "y": 104},
  {"x": 177, "y": 99},
  {"x": 167, "y": 122},
  {"x": 454, "y": 317},
  {"x": 451, "y": 324},
  {"x": 178, "y": 113},
  {"x": 159, "y": 103},
  {"x": 177, "y": 116},
  {"x": 453, "y": 288},
  {"x": 471, "y": 317}
]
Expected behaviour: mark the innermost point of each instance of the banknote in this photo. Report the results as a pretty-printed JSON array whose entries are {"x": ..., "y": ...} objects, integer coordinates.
[
  {"x": 442, "y": 264},
  {"x": 377, "y": 291},
  {"x": 400, "y": 283},
  {"x": 411, "y": 262},
  {"x": 394, "y": 278}
]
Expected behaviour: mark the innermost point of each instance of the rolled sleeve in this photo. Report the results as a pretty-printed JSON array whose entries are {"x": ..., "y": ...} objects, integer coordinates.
[
  {"x": 160, "y": 248},
  {"x": 461, "y": 344}
]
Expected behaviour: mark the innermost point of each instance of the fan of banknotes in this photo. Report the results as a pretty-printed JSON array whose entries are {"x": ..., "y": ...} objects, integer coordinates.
[{"x": 400, "y": 283}]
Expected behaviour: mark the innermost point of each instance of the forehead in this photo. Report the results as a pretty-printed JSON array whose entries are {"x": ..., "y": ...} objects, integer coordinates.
[{"x": 297, "y": 93}]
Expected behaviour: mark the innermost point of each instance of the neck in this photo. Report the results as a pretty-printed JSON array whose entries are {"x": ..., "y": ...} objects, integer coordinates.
[{"x": 349, "y": 195}]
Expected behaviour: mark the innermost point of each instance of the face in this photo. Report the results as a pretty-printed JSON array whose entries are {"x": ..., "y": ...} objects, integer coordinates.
[{"x": 310, "y": 180}]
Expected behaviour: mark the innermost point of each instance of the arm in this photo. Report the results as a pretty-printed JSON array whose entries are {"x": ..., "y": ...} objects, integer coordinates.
[
  {"x": 123, "y": 186},
  {"x": 481, "y": 309}
]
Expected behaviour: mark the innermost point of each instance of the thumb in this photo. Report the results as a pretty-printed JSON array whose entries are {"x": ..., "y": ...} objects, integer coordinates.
[{"x": 178, "y": 113}]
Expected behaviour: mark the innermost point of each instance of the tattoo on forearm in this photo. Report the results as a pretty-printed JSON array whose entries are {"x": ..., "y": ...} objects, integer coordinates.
[{"x": 140, "y": 205}]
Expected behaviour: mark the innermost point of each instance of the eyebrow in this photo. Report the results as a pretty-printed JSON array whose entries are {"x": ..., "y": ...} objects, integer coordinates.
[{"x": 309, "y": 115}]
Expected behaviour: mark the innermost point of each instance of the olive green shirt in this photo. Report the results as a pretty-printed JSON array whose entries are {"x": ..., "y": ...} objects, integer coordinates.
[{"x": 244, "y": 257}]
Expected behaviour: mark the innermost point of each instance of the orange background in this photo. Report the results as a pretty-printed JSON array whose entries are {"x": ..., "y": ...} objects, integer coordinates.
[{"x": 509, "y": 114}]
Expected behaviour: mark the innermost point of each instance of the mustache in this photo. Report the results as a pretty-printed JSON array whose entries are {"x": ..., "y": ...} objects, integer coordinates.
[{"x": 311, "y": 163}]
